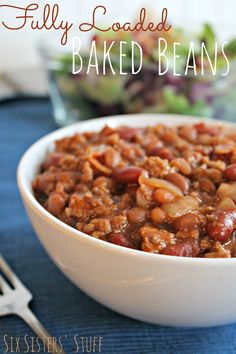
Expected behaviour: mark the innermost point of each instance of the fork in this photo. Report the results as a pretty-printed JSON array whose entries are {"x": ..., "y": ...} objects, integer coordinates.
[{"x": 15, "y": 299}]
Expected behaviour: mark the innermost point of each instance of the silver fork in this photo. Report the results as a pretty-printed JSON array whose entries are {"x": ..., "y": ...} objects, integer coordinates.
[{"x": 15, "y": 299}]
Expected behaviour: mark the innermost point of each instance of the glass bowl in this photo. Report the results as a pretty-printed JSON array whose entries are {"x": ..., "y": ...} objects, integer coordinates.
[{"x": 79, "y": 97}]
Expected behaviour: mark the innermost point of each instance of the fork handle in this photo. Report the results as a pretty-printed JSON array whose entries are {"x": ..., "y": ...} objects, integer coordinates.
[{"x": 28, "y": 316}]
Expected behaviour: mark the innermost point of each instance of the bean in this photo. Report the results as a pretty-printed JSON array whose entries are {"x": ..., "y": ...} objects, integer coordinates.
[
  {"x": 220, "y": 165},
  {"x": 120, "y": 240},
  {"x": 226, "y": 190},
  {"x": 128, "y": 174},
  {"x": 136, "y": 215},
  {"x": 162, "y": 196},
  {"x": 55, "y": 204},
  {"x": 170, "y": 137},
  {"x": 182, "y": 165},
  {"x": 189, "y": 221},
  {"x": 206, "y": 185},
  {"x": 221, "y": 224},
  {"x": 45, "y": 183},
  {"x": 158, "y": 216},
  {"x": 214, "y": 175},
  {"x": 179, "y": 180},
  {"x": 162, "y": 152},
  {"x": 152, "y": 146},
  {"x": 186, "y": 248},
  {"x": 188, "y": 133},
  {"x": 223, "y": 151},
  {"x": 230, "y": 172},
  {"x": 127, "y": 133},
  {"x": 202, "y": 128},
  {"x": 111, "y": 157}
]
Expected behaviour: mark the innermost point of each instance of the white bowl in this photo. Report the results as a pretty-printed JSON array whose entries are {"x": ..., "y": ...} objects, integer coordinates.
[{"x": 160, "y": 289}]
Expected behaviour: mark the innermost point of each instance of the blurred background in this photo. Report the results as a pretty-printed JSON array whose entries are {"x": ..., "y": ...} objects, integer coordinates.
[{"x": 22, "y": 70}]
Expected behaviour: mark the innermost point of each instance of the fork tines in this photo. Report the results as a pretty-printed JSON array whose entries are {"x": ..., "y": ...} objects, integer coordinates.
[{"x": 8, "y": 273}]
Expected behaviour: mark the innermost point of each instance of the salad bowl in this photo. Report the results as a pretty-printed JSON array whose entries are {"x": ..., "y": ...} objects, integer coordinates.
[{"x": 162, "y": 85}]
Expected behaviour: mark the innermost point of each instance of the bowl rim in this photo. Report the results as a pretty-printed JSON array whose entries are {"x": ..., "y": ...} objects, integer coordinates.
[{"x": 47, "y": 139}]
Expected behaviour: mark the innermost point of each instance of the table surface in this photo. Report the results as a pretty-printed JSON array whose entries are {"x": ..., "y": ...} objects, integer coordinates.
[{"x": 65, "y": 310}]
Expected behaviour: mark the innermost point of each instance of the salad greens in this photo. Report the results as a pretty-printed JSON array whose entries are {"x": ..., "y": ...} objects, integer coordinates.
[{"x": 85, "y": 96}]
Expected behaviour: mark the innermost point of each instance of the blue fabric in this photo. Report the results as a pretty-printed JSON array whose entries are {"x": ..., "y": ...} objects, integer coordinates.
[{"x": 63, "y": 308}]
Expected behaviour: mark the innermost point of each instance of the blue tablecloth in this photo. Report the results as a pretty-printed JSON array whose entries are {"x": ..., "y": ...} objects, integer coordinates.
[{"x": 64, "y": 309}]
